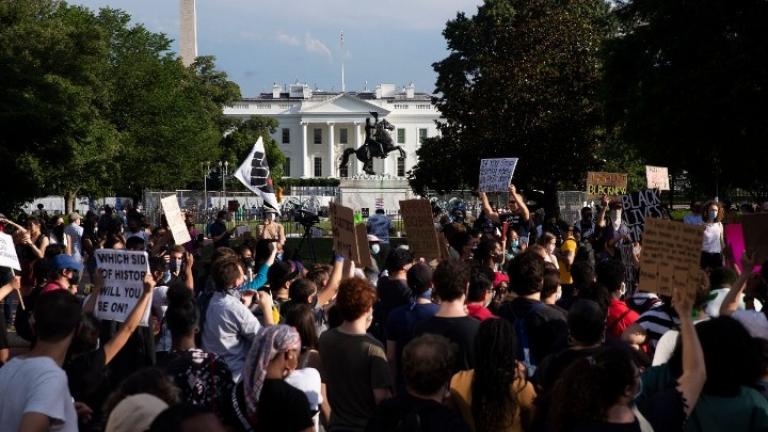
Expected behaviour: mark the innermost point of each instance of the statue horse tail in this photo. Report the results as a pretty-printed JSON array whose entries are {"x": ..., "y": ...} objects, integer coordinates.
[{"x": 345, "y": 156}]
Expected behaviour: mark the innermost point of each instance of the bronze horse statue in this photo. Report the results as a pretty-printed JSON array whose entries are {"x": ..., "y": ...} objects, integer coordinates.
[{"x": 378, "y": 144}]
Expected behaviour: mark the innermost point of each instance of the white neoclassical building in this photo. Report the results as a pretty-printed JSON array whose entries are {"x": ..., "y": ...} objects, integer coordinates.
[{"x": 315, "y": 127}]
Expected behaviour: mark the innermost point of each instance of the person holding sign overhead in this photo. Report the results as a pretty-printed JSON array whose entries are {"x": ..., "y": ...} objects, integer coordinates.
[{"x": 517, "y": 217}]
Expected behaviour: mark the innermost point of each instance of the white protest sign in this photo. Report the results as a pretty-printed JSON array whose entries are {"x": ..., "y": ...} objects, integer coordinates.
[
  {"x": 658, "y": 177},
  {"x": 495, "y": 174},
  {"x": 175, "y": 220},
  {"x": 123, "y": 274},
  {"x": 8, "y": 257}
]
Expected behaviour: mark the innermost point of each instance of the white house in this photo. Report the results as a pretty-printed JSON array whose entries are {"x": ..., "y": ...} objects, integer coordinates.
[{"x": 316, "y": 126}]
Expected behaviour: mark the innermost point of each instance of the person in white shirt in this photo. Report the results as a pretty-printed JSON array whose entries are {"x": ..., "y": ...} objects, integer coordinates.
[
  {"x": 35, "y": 391},
  {"x": 229, "y": 327},
  {"x": 714, "y": 242},
  {"x": 74, "y": 232}
]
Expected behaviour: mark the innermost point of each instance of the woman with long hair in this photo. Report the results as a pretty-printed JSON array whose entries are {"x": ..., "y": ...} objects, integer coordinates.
[{"x": 495, "y": 396}]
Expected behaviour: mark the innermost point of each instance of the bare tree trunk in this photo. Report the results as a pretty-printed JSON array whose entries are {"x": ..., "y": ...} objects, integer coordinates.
[{"x": 69, "y": 201}]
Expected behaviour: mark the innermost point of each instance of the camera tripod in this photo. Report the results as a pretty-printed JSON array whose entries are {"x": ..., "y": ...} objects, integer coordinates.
[{"x": 307, "y": 236}]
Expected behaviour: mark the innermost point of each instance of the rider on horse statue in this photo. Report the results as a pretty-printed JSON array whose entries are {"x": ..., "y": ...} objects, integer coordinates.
[{"x": 378, "y": 143}]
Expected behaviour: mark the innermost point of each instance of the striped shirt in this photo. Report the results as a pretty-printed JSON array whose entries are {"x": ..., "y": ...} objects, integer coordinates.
[{"x": 656, "y": 322}]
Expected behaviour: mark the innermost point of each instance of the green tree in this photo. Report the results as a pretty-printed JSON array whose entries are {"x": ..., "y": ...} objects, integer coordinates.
[
  {"x": 686, "y": 87},
  {"x": 522, "y": 80},
  {"x": 54, "y": 136}
]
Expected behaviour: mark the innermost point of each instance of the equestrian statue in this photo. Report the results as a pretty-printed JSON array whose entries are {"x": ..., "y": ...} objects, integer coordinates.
[{"x": 378, "y": 144}]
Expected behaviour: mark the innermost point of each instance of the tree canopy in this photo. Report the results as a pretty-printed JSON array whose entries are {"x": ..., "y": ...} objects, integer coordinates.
[
  {"x": 522, "y": 80},
  {"x": 92, "y": 104}
]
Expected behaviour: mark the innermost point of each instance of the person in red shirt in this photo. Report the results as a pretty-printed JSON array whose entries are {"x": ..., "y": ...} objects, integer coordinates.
[
  {"x": 62, "y": 274},
  {"x": 480, "y": 293},
  {"x": 610, "y": 276}
]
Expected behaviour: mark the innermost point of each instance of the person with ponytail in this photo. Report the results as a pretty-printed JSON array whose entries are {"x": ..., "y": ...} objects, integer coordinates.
[
  {"x": 204, "y": 378},
  {"x": 494, "y": 396},
  {"x": 262, "y": 400}
]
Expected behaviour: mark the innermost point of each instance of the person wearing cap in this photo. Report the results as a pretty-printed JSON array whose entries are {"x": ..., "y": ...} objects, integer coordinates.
[
  {"x": 75, "y": 233},
  {"x": 271, "y": 229},
  {"x": 398, "y": 330},
  {"x": 62, "y": 274}
]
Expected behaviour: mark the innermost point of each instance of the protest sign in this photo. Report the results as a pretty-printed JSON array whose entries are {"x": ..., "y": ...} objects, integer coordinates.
[
  {"x": 734, "y": 238},
  {"x": 123, "y": 275},
  {"x": 8, "y": 257},
  {"x": 658, "y": 177},
  {"x": 670, "y": 256},
  {"x": 637, "y": 207},
  {"x": 604, "y": 183},
  {"x": 343, "y": 226},
  {"x": 420, "y": 228},
  {"x": 175, "y": 220},
  {"x": 361, "y": 234},
  {"x": 495, "y": 174},
  {"x": 756, "y": 235},
  {"x": 240, "y": 230},
  {"x": 571, "y": 203},
  {"x": 628, "y": 260}
]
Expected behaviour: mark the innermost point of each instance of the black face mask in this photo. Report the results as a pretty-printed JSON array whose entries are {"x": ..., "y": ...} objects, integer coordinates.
[{"x": 249, "y": 262}]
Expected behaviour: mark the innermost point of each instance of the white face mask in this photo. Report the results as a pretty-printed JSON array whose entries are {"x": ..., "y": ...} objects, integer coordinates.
[
  {"x": 616, "y": 216},
  {"x": 375, "y": 248},
  {"x": 623, "y": 289}
]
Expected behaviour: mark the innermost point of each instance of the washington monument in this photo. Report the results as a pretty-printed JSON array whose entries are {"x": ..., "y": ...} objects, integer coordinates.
[{"x": 188, "y": 32}]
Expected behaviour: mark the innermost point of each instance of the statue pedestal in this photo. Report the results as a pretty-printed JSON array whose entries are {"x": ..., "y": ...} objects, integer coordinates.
[{"x": 366, "y": 193}]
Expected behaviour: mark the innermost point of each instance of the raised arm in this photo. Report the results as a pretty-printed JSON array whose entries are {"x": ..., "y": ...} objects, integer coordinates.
[
  {"x": 18, "y": 227},
  {"x": 332, "y": 287},
  {"x": 691, "y": 382},
  {"x": 603, "y": 210},
  {"x": 487, "y": 209},
  {"x": 120, "y": 338},
  {"x": 525, "y": 213},
  {"x": 189, "y": 280},
  {"x": 732, "y": 299}
]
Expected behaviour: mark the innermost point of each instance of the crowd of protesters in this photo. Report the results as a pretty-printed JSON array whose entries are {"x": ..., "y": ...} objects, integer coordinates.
[{"x": 529, "y": 324}]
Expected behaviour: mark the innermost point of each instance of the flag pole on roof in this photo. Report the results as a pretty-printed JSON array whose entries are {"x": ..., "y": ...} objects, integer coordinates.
[{"x": 254, "y": 174}]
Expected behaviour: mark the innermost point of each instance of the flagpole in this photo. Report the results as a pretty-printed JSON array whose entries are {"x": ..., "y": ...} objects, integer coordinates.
[{"x": 343, "y": 86}]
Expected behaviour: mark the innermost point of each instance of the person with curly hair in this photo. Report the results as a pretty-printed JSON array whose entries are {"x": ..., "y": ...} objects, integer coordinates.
[
  {"x": 354, "y": 364},
  {"x": 494, "y": 396}
]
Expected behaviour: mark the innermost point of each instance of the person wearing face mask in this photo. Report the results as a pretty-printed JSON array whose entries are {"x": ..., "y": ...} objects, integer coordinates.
[
  {"x": 713, "y": 243},
  {"x": 611, "y": 276},
  {"x": 615, "y": 231},
  {"x": 549, "y": 242},
  {"x": 272, "y": 230}
]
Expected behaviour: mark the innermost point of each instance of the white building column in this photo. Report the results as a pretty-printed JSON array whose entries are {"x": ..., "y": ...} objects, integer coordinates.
[
  {"x": 355, "y": 166},
  {"x": 304, "y": 153},
  {"x": 385, "y": 166},
  {"x": 331, "y": 151}
]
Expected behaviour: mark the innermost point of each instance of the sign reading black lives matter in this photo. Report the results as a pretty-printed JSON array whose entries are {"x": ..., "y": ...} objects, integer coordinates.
[
  {"x": 123, "y": 273},
  {"x": 637, "y": 207},
  {"x": 495, "y": 174}
]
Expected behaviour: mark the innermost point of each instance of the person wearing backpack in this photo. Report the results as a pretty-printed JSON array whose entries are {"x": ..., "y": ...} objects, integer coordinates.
[{"x": 540, "y": 330}]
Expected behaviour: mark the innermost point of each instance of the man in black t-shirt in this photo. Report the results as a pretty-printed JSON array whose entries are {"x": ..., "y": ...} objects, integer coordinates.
[
  {"x": 544, "y": 328},
  {"x": 218, "y": 230},
  {"x": 451, "y": 281},
  {"x": 392, "y": 290}
]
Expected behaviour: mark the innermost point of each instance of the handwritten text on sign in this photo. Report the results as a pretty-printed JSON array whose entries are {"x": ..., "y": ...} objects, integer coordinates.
[
  {"x": 495, "y": 174},
  {"x": 603, "y": 183},
  {"x": 175, "y": 220},
  {"x": 343, "y": 225},
  {"x": 658, "y": 177},
  {"x": 422, "y": 237},
  {"x": 123, "y": 274},
  {"x": 8, "y": 257},
  {"x": 670, "y": 256}
]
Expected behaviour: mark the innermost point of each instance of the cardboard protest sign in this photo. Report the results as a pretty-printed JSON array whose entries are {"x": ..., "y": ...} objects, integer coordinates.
[
  {"x": 756, "y": 235},
  {"x": 495, "y": 174},
  {"x": 344, "y": 238},
  {"x": 420, "y": 228},
  {"x": 361, "y": 234},
  {"x": 176, "y": 223},
  {"x": 734, "y": 238},
  {"x": 604, "y": 183},
  {"x": 8, "y": 257},
  {"x": 123, "y": 274},
  {"x": 670, "y": 256},
  {"x": 658, "y": 177},
  {"x": 638, "y": 206}
]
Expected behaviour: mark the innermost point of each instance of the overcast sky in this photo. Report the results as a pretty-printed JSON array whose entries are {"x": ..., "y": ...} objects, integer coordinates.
[{"x": 259, "y": 42}]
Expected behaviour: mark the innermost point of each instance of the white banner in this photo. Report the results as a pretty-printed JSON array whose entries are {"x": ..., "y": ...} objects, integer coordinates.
[{"x": 123, "y": 274}]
